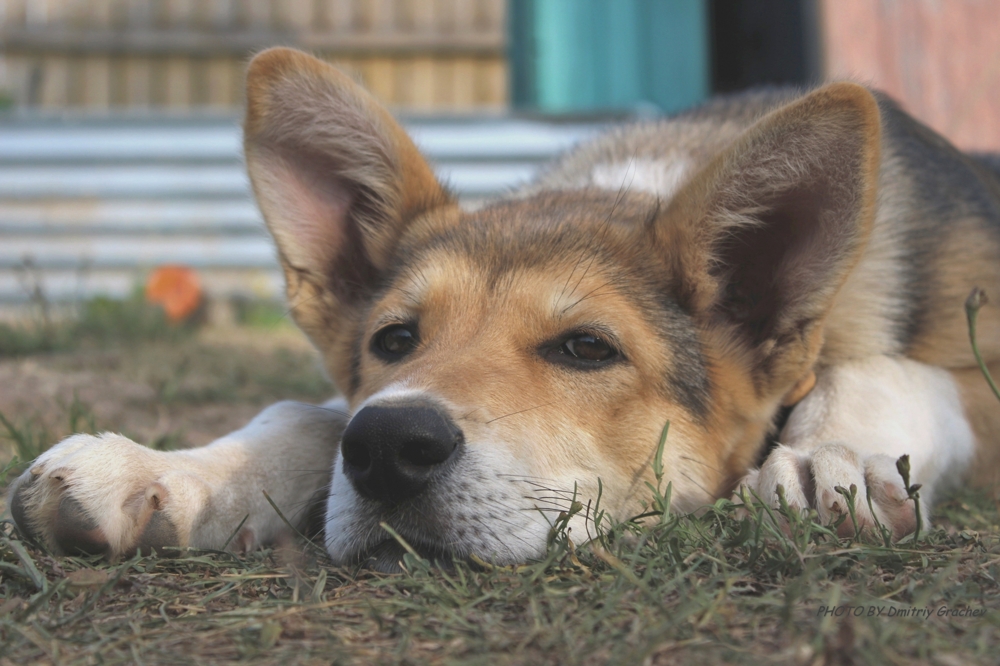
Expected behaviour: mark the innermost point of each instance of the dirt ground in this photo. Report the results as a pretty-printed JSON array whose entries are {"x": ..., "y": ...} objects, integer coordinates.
[{"x": 165, "y": 394}]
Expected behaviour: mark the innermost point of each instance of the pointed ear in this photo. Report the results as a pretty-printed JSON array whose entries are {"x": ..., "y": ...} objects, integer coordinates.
[
  {"x": 336, "y": 178},
  {"x": 763, "y": 238}
]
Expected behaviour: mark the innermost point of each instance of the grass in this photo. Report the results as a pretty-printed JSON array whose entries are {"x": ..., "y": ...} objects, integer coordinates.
[
  {"x": 724, "y": 585},
  {"x": 98, "y": 321},
  {"x": 120, "y": 366},
  {"x": 715, "y": 587}
]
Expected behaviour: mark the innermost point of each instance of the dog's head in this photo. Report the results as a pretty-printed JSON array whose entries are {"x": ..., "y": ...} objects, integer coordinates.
[{"x": 500, "y": 362}]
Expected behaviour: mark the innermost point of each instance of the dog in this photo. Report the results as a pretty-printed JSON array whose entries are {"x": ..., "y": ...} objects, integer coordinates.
[{"x": 778, "y": 265}]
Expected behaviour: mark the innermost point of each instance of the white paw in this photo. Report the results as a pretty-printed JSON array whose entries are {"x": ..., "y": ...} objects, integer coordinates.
[
  {"x": 106, "y": 495},
  {"x": 810, "y": 480}
]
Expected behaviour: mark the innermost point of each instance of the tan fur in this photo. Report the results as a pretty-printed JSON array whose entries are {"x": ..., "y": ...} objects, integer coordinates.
[
  {"x": 981, "y": 409},
  {"x": 364, "y": 153},
  {"x": 513, "y": 386},
  {"x": 800, "y": 390},
  {"x": 783, "y": 249},
  {"x": 966, "y": 250}
]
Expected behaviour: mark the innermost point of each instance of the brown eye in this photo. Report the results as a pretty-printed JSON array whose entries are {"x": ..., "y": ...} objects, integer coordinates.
[
  {"x": 582, "y": 351},
  {"x": 589, "y": 348},
  {"x": 394, "y": 342}
]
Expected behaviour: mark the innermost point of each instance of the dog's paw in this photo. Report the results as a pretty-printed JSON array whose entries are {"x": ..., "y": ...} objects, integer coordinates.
[
  {"x": 812, "y": 479},
  {"x": 105, "y": 495}
]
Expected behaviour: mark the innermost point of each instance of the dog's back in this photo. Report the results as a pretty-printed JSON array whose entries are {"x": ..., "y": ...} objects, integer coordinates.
[
  {"x": 936, "y": 235},
  {"x": 937, "y": 231},
  {"x": 990, "y": 161}
]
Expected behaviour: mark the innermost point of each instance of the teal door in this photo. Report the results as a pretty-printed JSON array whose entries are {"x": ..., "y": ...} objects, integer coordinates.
[{"x": 572, "y": 56}]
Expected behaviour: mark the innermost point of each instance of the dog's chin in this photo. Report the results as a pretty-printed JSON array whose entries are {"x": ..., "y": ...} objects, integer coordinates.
[
  {"x": 387, "y": 556},
  {"x": 477, "y": 518}
]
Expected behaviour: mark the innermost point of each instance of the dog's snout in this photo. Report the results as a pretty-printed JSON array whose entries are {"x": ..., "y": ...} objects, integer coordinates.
[{"x": 391, "y": 453}]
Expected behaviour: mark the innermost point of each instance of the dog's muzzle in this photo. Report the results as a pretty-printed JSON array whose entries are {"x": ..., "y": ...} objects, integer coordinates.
[{"x": 392, "y": 453}]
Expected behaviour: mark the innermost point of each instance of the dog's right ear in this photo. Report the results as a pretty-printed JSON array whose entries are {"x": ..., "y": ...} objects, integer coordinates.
[
  {"x": 762, "y": 239},
  {"x": 336, "y": 178}
]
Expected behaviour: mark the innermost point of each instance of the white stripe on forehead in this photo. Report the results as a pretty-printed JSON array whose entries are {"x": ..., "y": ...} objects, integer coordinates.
[{"x": 661, "y": 177}]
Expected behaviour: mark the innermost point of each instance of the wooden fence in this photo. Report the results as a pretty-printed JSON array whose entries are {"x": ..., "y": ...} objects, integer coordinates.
[{"x": 422, "y": 55}]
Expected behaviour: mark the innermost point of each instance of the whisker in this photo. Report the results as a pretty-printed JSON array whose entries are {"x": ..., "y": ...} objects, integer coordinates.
[
  {"x": 607, "y": 223},
  {"x": 338, "y": 412},
  {"x": 701, "y": 462},
  {"x": 471, "y": 412},
  {"x": 555, "y": 510},
  {"x": 545, "y": 506},
  {"x": 505, "y": 522},
  {"x": 585, "y": 297},
  {"x": 515, "y": 477},
  {"x": 482, "y": 524},
  {"x": 498, "y": 540},
  {"x": 567, "y": 499},
  {"x": 688, "y": 477},
  {"x": 568, "y": 493},
  {"x": 533, "y": 498},
  {"x": 292, "y": 306},
  {"x": 519, "y": 412}
]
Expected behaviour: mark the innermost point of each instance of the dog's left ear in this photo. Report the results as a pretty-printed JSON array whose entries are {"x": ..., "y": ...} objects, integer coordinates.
[
  {"x": 337, "y": 179},
  {"x": 761, "y": 240}
]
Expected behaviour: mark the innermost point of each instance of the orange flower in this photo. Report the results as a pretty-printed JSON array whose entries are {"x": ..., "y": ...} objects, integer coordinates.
[{"x": 177, "y": 289}]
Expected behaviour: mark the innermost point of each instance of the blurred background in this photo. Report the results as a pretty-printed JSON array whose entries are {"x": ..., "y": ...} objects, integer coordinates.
[{"x": 119, "y": 144}]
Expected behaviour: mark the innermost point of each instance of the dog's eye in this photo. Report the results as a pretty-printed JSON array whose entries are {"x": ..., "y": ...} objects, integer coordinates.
[
  {"x": 394, "y": 342},
  {"x": 588, "y": 348},
  {"x": 584, "y": 350}
]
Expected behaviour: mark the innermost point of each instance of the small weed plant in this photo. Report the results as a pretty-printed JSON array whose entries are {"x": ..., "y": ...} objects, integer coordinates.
[{"x": 99, "y": 321}]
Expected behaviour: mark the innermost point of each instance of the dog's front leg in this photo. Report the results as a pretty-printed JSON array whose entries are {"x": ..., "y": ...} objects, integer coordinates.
[
  {"x": 106, "y": 494},
  {"x": 851, "y": 429}
]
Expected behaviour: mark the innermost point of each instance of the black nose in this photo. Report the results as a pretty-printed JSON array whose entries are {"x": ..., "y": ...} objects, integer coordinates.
[{"x": 392, "y": 453}]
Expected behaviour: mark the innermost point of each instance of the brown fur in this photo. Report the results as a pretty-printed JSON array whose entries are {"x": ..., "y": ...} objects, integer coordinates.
[
  {"x": 780, "y": 255},
  {"x": 810, "y": 251},
  {"x": 984, "y": 417}
]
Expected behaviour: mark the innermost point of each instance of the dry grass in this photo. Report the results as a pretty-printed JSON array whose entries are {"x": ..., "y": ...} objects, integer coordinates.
[
  {"x": 167, "y": 391},
  {"x": 718, "y": 587},
  {"x": 703, "y": 588}
]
